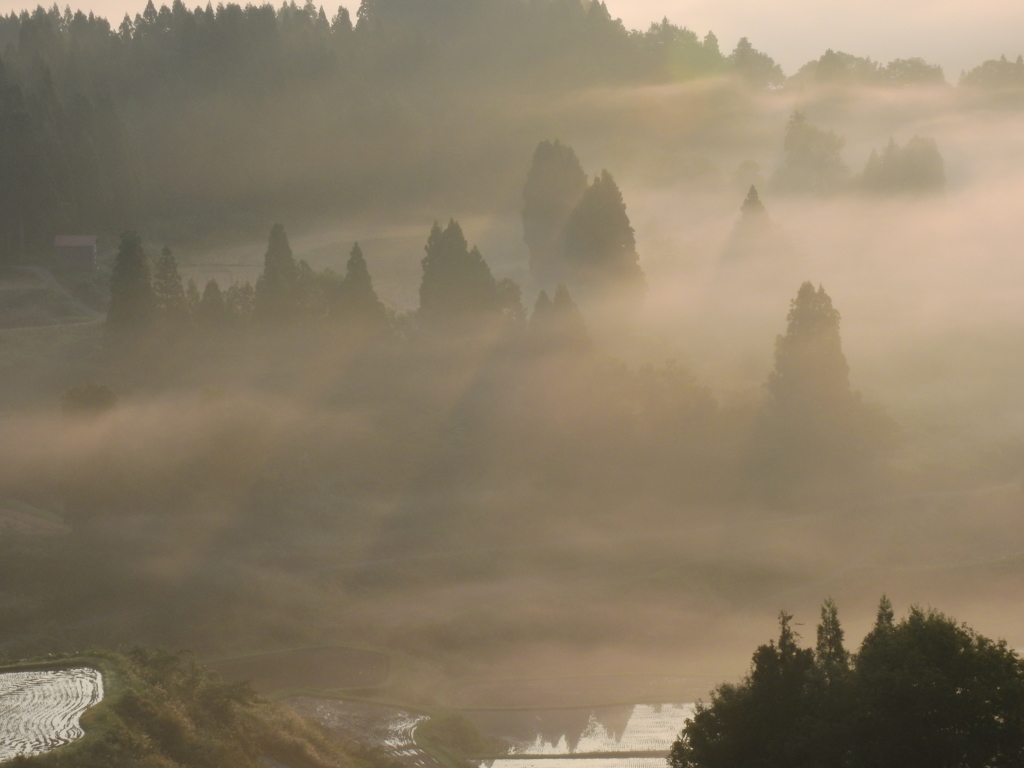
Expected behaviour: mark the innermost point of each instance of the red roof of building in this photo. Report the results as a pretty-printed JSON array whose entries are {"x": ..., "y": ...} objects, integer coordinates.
[{"x": 74, "y": 241}]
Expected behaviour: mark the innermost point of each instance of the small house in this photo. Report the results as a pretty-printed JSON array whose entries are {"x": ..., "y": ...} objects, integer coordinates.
[{"x": 74, "y": 253}]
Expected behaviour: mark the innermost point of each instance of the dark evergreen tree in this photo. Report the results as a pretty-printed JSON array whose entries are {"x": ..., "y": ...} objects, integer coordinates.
[
  {"x": 132, "y": 303},
  {"x": 814, "y": 429},
  {"x": 752, "y": 205},
  {"x": 212, "y": 310},
  {"x": 356, "y": 301},
  {"x": 830, "y": 653},
  {"x": 457, "y": 284},
  {"x": 554, "y": 186},
  {"x": 168, "y": 289},
  {"x": 925, "y": 692},
  {"x": 599, "y": 243},
  {"x": 932, "y": 692},
  {"x": 277, "y": 290},
  {"x": 757, "y": 722}
]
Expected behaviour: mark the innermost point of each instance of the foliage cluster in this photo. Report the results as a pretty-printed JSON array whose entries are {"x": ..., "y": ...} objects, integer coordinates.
[
  {"x": 162, "y": 710},
  {"x": 813, "y": 164},
  {"x": 577, "y": 234},
  {"x": 924, "y": 691},
  {"x": 915, "y": 167},
  {"x": 836, "y": 67}
]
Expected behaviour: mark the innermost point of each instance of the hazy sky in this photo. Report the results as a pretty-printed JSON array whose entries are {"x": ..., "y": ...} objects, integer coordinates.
[{"x": 958, "y": 34}]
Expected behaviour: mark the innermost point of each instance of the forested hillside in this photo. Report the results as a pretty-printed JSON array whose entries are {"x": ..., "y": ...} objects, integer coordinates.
[{"x": 216, "y": 118}]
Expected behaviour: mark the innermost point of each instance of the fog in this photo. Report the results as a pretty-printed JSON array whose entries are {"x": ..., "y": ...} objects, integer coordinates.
[
  {"x": 623, "y": 486},
  {"x": 952, "y": 34}
]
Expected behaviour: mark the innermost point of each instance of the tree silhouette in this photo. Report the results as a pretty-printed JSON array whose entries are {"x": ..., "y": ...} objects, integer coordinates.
[
  {"x": 813, "y": 427},
  {"x": 812, "y": 161},
  {"x": 356, "y": 301},
  {"x": 132, "y": 303},
  {"x": 558, "y": 325},
  {"x": 168, "y": 290},
  {"x": 457, "y": 284},
  {"x": 240, "y": 300},
  {"x": 932, "y": 692},
  {"x": 758, "y": 69},
  {"x": 277, "y": 295},
  {"x": 212, "y": 310},
  {"x": 925, "y": 692},
  {"x": 554, "y": 186},
  {"x": 916, "y": 167},
  {"x": 757, "y": 722},
  {"x": 599, "y": 242},
  {"x": 750, "y": 236}
]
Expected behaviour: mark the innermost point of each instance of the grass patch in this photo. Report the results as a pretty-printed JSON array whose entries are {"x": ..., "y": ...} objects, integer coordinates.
[{"x": 162, "y": 710}]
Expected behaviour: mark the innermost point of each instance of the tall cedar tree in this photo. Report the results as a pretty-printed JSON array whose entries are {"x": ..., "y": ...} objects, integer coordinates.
[
  {"x": 356, "y": 301},
  {"x": 599, "y": 242},
  {"x": 457, "y": 284},
  {"x": 554, "y": 186},
  {"x": 132, "y": 303},
  {"x": 277, "y": 293},
  {"x": 814, "y": 431},
  {"x": 168, "y": 288}
]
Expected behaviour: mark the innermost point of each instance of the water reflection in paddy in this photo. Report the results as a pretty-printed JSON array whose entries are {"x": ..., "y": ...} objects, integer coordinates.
[{"x": 549, "y": 737}]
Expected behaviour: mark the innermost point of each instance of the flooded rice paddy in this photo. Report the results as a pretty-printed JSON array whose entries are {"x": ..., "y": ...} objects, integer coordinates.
[
  {"x": 40, "y": 710},
  {"x": 640, "y": 728},
  {"x": 628, "y": 736}
]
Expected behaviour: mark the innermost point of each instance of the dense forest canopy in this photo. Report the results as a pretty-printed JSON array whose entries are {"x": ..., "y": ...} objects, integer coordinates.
[{"x": 230, "y": 114}]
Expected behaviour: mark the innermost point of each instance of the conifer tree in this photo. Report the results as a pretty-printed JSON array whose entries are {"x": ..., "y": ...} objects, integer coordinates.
[
  {"x": 812, "y": 159},
  {"x": 557, "y": 325},
  {"x": 814, "y": 429},
  {"x": 885, "y": 616},
  {"x": 212, "y": 310},
  {"x": 356, "y": 300},
  {"x": 811, "y": 371},
  {"x": 599, "y": 242},
  {"x": 830, "y": 652},
  {"x": 554, "y": 186},
  {"x": 457, "y": 283},
  {"x": 752, "y": 205},
  {"x": 168, "y": 289},
  {"x": 916, "y": 168},
  {"x": 240, "y": 299},
  {"x": 277, "y": 294},
  {"x": 751, "y": 237},
  {"x": 132, "y": 303}
]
